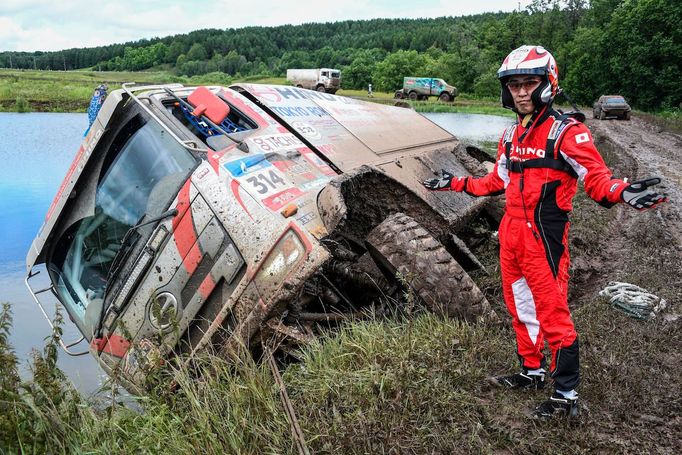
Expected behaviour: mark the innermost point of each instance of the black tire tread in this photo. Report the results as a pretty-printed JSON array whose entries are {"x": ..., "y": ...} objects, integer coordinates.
[{"x": 432, "y": 273}]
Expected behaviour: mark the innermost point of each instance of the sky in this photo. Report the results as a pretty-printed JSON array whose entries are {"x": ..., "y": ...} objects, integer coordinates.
[{"x": 49, "y": 25}]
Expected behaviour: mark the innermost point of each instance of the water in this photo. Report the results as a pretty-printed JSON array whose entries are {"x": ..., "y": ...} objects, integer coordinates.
[
  {"x": 476, "y": 129},
  {"x": 36, "y": 150}
]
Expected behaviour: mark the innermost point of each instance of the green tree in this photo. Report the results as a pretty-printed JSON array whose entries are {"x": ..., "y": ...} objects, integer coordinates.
[
  {"x": 197, "y": 52},
  {"x": 389, "y": 73},
  {"x": 359, "y": 73}
]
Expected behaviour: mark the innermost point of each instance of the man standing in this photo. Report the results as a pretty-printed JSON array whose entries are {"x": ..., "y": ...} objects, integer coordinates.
[{"x": 539, "y": 162}]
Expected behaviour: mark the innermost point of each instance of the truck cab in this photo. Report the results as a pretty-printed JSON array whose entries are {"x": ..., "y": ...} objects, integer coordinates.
[{"x": 326, "y": 80}]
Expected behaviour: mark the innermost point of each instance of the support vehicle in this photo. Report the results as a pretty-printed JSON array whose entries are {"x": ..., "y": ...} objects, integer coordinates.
[
  {"x": 420, "y": 88},
  {"x": 326, "y": 80},
  {"x": 198, "y": 218},
  {"x": 611, "y": 106}
]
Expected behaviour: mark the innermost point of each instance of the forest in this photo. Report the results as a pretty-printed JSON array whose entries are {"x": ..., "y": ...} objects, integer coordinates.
[{"x": 629, "y": 47}]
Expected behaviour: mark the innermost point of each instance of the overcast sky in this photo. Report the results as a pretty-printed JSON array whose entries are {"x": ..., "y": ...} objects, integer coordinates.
[{"x": 48, "y": 25}]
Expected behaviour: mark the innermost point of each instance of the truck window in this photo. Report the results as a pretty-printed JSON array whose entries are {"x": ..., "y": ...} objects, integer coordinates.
[
  {"x": 325, "y": 73},
  {"x": 336, "y": 74},
  {"x": 143, "y": 176}
]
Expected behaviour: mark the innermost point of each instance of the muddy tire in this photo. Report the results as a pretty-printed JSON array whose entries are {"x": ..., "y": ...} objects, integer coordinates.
[
  {"x": 626, "y": 116},
  {"x": 445, "y": 97},
  {"x": 401, "y": 246},
  {"x": 320, "y": 88},
  {"x": 398, "y": 95},
  {"x": 413, "y": 96},
  {"x": 602, "y": 115}
]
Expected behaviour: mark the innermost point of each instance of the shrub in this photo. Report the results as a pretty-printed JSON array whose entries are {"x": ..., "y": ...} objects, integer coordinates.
[{"x": 21, "y": 105}]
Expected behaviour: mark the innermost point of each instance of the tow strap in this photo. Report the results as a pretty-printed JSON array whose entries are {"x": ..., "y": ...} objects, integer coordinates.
[{"x": 636, "y": 302}]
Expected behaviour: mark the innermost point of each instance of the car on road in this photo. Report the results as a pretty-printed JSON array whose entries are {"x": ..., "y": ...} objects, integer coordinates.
[{"x": 611, "y": 106}]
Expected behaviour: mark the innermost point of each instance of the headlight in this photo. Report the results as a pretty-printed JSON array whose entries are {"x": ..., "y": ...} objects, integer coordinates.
[{"x": 288, "y": 251}]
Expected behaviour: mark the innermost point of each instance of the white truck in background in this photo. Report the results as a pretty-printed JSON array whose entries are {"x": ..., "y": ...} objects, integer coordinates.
[{"x": 319, "y": 79}]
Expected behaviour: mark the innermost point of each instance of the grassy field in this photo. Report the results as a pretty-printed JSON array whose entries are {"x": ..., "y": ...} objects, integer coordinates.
[{"x": 70, "y": 91}]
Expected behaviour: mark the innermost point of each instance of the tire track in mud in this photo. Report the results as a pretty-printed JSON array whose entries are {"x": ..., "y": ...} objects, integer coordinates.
[
  {"x": 656, "y": 153},
  {"x": 640, "y": 247}
]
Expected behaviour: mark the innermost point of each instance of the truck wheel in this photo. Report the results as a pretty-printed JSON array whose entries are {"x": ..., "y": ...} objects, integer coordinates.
[
  {"x": 320, "y": 88},
  {"x": 602, "y": 115},
  {"x": 398, "y": 95},
  {"x": 445, "y": 97},
  {"x": 413, "y": 96},
  {"x": 400, "y": 245},
  {"x": 299, "y": 86},
  {"x": 626, "y": 116}
]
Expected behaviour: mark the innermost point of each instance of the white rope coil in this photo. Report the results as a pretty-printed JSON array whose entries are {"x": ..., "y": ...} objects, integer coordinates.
[{"x": 634, "y": 300}]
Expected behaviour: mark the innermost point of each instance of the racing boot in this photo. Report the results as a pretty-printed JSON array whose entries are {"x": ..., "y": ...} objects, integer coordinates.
[
  {"x": 558, "y": 406},
  {"x": 523, "y": 380}
]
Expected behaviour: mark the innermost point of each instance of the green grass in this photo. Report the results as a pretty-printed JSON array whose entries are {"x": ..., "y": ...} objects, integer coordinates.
[
  {"x": 70, "y": 91},
  {"x": 398, "y": 385}
]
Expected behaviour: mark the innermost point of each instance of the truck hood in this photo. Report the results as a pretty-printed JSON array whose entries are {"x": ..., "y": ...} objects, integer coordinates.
[{"x": 349, "y": 132}]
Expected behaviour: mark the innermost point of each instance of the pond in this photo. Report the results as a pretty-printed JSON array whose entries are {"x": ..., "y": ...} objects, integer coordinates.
[{"x": 36, "y": 150}]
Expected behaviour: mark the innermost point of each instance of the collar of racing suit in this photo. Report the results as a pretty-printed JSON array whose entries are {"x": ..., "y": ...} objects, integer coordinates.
[{"x": 535, "y": 119}]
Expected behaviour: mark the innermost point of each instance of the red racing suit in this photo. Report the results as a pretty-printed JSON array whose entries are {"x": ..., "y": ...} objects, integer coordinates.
[{"x": 538, "y": 168}]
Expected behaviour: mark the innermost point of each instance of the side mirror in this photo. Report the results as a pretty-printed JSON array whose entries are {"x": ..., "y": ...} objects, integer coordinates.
[{"x": 207, "y": 103}]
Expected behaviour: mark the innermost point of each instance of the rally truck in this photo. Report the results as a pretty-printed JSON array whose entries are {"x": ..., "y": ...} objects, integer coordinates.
[
  {"x": 420, "y": 88},
  {"x": 326, "y": 80},
  {"x": 197, "y": 218}
]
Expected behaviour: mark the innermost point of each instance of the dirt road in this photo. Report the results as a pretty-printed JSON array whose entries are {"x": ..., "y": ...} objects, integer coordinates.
[
  {"x": 621, "y": 243},
  {"x": 650, "y": 151}
]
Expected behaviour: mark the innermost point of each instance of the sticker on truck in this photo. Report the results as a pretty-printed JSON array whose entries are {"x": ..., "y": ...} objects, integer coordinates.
[{"x": 263, "y": 180}]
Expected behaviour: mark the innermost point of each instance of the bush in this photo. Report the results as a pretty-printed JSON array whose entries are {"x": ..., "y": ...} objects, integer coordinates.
[{"x": 21, "y": 105}]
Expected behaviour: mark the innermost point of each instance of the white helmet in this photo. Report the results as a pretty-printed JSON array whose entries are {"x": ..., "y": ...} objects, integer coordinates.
[{"x": 531, "y": 60}]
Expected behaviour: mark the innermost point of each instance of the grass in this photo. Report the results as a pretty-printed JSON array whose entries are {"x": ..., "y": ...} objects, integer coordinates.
[
  {"x": 70, "y": 91},
  {"x": 462, "y": 104},
  {"x": 398, "y": 385}
]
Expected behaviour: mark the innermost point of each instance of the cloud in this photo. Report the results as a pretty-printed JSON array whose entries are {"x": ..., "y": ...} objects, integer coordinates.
[{"x": 29, "y": 25}]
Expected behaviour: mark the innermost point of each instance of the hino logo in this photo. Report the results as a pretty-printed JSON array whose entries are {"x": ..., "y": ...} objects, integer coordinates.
[
  {"x": 163, "y": 310},
  {"x": 523, "y": 152}
]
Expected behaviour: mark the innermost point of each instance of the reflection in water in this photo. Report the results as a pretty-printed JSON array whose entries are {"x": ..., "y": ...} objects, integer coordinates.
[
  {"x": 36, "y": 150},
  {"x": 477, "y": 129}
]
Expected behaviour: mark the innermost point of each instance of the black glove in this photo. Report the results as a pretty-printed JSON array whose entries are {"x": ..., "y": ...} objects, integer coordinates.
[
  {"x": 637, "y": 195},
  {"x": 445, "y": 182}
]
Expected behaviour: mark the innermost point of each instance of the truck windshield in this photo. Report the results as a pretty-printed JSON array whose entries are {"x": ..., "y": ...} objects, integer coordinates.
[
  {"x": 141, "y": 181},
  {"x": 336, "y": 74}
]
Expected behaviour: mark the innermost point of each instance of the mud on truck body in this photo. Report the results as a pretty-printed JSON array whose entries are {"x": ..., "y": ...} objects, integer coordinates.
[{"x": 214, "y": 217}]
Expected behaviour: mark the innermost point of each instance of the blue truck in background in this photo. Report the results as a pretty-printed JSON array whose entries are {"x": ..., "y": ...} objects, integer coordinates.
[{"x": 420, "y": 88}]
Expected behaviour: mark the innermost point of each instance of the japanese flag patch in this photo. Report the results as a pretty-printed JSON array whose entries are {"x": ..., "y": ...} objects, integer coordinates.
[{"x": 582, "y": 137}]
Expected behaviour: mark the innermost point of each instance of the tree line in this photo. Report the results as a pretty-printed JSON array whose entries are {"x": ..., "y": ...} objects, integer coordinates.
[{"x": 630, "y": 47}]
